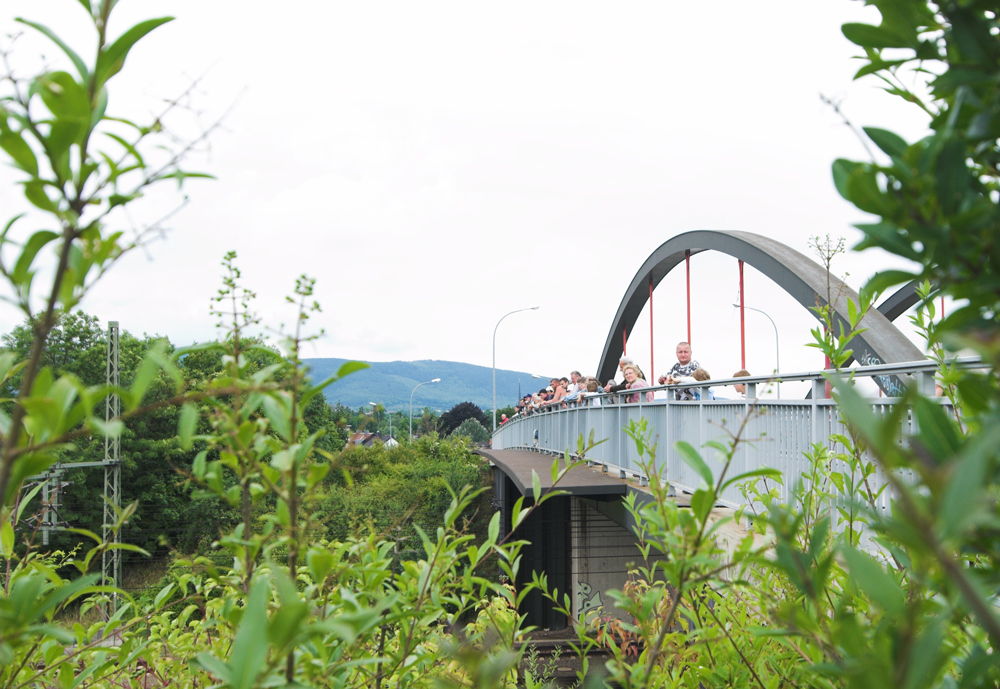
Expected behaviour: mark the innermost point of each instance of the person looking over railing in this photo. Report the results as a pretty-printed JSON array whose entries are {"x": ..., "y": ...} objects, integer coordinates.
[
  {"x": 558, "y": 388},
  {"x": 575, "y": 388},
  {"x": 700, "y": 376},
  {"x": 634, "y": 382},
  {"x": 685, "y": 366},
  {"x": 740, "y": 387},
  {"x": 622, "y": 363}
]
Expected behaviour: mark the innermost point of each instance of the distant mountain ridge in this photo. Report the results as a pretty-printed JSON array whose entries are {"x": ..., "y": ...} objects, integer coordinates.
[{"x": 390, "y": 383}]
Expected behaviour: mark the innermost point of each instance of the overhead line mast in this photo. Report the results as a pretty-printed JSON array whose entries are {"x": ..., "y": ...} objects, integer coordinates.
[{"x": 111, "y": 559}]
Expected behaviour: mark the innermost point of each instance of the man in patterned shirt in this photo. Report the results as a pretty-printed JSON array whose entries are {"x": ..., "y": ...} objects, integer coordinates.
[{"x": 685, "y": 366}]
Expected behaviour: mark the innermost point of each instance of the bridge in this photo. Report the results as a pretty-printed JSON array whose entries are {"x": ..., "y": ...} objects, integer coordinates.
[{"x": 584, "y": 541}]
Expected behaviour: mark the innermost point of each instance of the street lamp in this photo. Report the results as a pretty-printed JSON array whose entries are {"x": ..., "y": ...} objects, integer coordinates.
[
  {"x": 777, "y": 348},
  {"x": 436, "y": 380},
  {"x": 374, "y": 407},
  {"x": 530, "y": 308}
]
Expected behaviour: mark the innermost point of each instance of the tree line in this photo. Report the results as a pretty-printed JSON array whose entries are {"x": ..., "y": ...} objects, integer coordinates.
[{"x": 156, "y": 467}]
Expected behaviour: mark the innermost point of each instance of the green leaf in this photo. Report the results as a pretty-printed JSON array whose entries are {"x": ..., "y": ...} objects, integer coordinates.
[
  {"x": 6, "y": 538},
  {"x": 27, "y": 465},
  {"x": 883, "y": 280},
  {"x": 954, "y": 180},
  {"x": 891, "y": 144},
  {"x": 34, "y": 191},
  {"x": 142, "y": 163},
  {"x": 868, "y": 36},
  {"x": 763, "y": 472},
  {"x": 162, "y": 596},
  {"x": 864, "y": 192},
  {"x": 694, "y": 460},
  {"x": 181, "y": 175},
  {"x": 158, "y": 354},
  {"x": 701, "y": 504},
  {"x": 283, "y": 460},
  {"x": 536, "y": 486},
  {"x": 110, "y": 429},
  {"x": 186, "y": 424},
  {"x": 320, "y": 563},
  {"x": 889, "y": 237},
  {"x": 350, "y": 367},
  {"x": 874, "y": 581},
  {"x": 961, "y": 504},
  {"x": 78, "y": 62},
  {"x": 494, "y": 528},
  {"x": 249, "y": 650},
  {"x": 35, "y": 243},
  {"x": 877, "y": 65},
  {"x": 937, "y": 432},
  {"x": 856, "y": 411},
  {"x": 277, "y": 410},
  {"x": 112, "y": 58},
  {"x": 144, "y": 376},
  {"x": 286, "y": 621},
  {"x": 515, "y": 513},
  {"x": 199, "y": 464},
  {"x": 17, "y": 148},
  {"x": 26, "y": 500},
  {"x": 66, "y": 99},
  {"x": 842, "y": 172},
  {"x": 212, "y": 665}
]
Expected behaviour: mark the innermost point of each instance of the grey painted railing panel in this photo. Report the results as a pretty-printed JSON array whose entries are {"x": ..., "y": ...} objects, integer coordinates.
[{"x": 777, "y": 435}]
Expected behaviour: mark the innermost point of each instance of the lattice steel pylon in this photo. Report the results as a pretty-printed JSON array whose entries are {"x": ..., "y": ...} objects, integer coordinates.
[{"x": 111, "y": 560}]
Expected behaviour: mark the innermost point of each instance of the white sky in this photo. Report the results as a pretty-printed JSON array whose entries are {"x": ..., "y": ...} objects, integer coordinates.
[{"x": 435, "y": 165}]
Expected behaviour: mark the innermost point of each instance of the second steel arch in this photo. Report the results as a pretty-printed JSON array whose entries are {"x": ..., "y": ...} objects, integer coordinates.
[{"x": 797, "y": 274}]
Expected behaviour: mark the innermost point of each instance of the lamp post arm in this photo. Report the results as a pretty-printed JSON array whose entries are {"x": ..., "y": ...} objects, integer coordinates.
[
  {"x": 529, "y": 308},
  {"x": 777, "y": 345},
  {"x": 436, "y": 380}
]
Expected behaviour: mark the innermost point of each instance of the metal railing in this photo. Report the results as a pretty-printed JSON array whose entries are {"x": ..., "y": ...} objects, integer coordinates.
[{"x": 778, "y": 432}]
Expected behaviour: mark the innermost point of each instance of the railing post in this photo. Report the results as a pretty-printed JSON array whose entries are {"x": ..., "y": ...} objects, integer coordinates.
[
  {"x": 925, "y": 383},
  {"x": 815, "y": 427},
  {"x": 701, "y": 417},
  {"x": 668, "y": 453}
]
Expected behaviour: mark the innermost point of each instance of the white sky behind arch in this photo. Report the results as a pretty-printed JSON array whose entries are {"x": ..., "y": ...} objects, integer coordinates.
[{"x": 436, "y": 165}]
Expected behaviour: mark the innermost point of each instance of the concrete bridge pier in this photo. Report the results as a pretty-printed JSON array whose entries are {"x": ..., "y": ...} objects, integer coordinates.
[{"x": 584, "y": 542}]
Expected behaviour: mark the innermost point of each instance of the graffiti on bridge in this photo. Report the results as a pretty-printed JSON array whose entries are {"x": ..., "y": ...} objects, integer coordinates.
[
  {"x": 585, "y": 601},
  {"x": 889, "y": 384}
]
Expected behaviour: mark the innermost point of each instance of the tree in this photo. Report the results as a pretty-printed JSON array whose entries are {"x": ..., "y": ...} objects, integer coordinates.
[
  {"x": 80, "y": 167},
  {"x": 77, "y": 333},
  {"x": 935, "y": 199},
  {"x": 453, "y": 418},
  {"x": 473, "y": 430},
  {"x": 936, "y": 202}
]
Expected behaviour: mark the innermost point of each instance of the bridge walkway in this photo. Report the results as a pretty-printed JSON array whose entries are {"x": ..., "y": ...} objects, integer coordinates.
[{"x": 579, "y": 481}]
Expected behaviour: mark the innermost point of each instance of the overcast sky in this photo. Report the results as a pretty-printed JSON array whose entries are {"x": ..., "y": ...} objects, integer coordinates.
[{"x": 435, "y": 165}]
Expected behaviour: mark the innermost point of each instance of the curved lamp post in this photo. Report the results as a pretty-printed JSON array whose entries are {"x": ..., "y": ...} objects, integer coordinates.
[
  {"x": 530, "y": 308},
  {"x": 436, "y": 380},
  {"x": 777, "y": 348}
]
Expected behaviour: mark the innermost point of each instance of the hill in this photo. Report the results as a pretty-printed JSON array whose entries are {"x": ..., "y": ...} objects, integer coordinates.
[{"x": 390, "y": 383}]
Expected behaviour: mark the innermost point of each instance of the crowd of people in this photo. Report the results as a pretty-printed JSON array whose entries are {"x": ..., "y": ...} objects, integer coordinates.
[{"x": 579, "y": 390}]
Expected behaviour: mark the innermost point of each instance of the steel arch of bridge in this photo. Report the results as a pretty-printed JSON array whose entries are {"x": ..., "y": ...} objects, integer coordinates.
[{"x": 797, "y": 274}]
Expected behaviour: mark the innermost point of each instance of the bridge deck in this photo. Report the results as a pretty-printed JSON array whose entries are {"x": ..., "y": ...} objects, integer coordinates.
[{"x": 581, "y": 481}]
